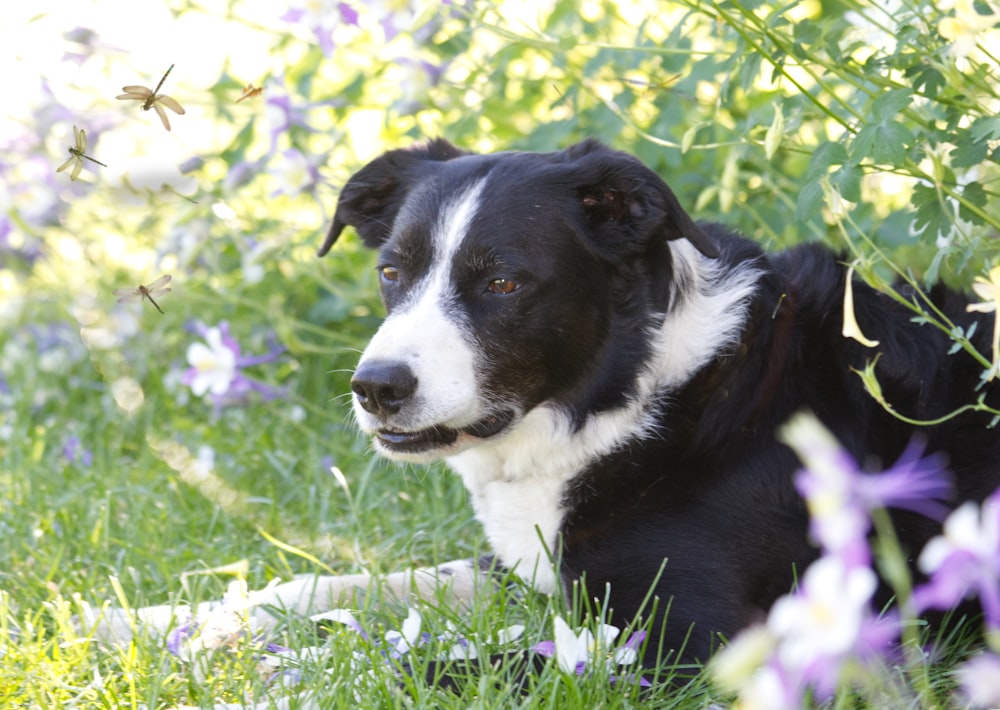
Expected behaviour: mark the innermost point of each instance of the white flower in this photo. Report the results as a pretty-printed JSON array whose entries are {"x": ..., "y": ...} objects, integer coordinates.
[
  {"x": 214, "y": 364},
  {"x": 980, "y": 680},
  {"x": 966, "y": 28},
  {"x": 574, "y": 651},
  {"x": 826, "y": 616},
  {"x": 294, "y": 173},
  {"x": 406, "y": 638},
  {"x": 966, "y": 531}
]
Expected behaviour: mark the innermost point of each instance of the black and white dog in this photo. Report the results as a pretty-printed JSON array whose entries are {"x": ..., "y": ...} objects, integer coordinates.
[{"x": 607, "y": 377}]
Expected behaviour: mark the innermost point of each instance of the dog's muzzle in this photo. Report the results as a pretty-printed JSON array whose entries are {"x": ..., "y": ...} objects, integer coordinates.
[{"x": 383, "y": 389}]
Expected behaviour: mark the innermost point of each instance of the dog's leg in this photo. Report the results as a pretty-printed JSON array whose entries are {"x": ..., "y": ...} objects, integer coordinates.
[{"x": 453, "y": 582}]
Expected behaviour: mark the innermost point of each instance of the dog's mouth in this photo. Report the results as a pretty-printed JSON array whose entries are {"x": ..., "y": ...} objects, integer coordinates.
[{"x": 440, "y": 437}]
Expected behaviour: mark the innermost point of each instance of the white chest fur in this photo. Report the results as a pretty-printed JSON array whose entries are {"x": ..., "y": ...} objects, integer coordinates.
[{"x": 518, "y": 482}]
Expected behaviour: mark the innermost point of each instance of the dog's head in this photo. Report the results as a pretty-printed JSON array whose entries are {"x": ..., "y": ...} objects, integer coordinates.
[{"x": 510, "y": 280}]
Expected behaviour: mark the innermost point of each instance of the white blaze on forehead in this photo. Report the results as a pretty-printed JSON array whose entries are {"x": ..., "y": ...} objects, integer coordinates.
[
  {"x": 450, "y": 231},
  {"x": 426, "y": 333}
]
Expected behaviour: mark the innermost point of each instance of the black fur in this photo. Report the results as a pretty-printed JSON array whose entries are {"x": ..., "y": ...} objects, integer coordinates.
[{"x": 587, "y": 231}]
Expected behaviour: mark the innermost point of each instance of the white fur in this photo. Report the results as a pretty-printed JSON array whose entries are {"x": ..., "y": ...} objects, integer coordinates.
[
  {"x": 517, "y": 481},
  {"x": 422, "y": 334}
]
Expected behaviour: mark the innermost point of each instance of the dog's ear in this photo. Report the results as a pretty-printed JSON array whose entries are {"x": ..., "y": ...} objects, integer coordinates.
[
  {"x": 618, "y": 188},
  {"x": 372, "y": 197}
]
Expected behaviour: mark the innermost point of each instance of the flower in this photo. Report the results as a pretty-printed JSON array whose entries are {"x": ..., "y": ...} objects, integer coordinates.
[
  {"x": 216, "y": 368},
  {"x": 213, "y": 365},
  {"x": 810, "y": 640},
  {"x": 322, "y": 17},
  {"x": 294, "y": 173},
  {"x": 988, "y": 290},
  {"x": 152, "y": 100},
  {"x": 575, "y": 652},
  {"x": 965, "y": 28},
  {"x": 963, "y": 560},
  {"x": 402, "y": 641},
  {"x": 75, "y": 453},
  {"x": 979, "y": 679},
  {"x": 840, "y": 496},
  {"x": 851, "y": 328},
  {"x": 222, "y": 627}
]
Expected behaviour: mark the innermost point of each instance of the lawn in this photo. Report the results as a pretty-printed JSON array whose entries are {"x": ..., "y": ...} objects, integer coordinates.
[{"x": 128, "y": 481}]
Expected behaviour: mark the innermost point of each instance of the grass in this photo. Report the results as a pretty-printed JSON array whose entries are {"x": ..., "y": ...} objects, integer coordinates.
[
  {"x": 127, "y": 519},
  {"x": 138, "y": 524}
]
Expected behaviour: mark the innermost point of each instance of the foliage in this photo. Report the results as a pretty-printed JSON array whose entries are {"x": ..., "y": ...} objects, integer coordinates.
[{"x": 870, "y": 126}]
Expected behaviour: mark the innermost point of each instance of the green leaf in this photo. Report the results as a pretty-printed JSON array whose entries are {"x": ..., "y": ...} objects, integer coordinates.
[
  {"x": 885, "y": 142},
  {"x": 824, "y": 156},
  {"x": 889, "y": 104},
  {"x": 968, "y": 151},
  {"x": 973, "y": 192},
  {"x": 847, "y": 179},
  {"x": 931, "y": 219},
  {"x": 927, "y": 80},
  {"x": 986, "y": 128},
  {"x": 810, "y": 201}
]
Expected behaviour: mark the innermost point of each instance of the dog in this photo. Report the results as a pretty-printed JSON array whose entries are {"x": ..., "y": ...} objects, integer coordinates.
[{"x": 608, "y": 378}]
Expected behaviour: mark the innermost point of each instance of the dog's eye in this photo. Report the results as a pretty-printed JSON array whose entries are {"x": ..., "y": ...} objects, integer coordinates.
[
  {"x": 502, "y": 287},
  {"x": 388, "y": 273}
]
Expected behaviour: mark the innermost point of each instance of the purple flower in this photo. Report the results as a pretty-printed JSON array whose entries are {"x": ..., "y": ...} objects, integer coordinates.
[
  {"x": 74, "y": 452},
  {"x": 322, "y": 19},
  {"x": 964, "y": 561},
  {"x": 282, "y": 115},
  {"x": 294, "y": 173},
  {"x": 178, "y": 635},
  {"x": 810, "y": 639},
  {"x": 216, "y": 368},
  {"x": 840, "y": 496}
]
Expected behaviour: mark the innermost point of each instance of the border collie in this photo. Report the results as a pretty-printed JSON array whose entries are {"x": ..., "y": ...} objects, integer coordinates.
[{"x": 607, "y": 377}]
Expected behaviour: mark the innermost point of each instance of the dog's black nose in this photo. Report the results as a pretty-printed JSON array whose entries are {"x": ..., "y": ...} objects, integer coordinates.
[{"x": 383, "y": 387}]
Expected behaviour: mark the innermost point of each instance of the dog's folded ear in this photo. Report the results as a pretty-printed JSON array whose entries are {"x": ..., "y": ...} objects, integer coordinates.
[
  {"x": 372, "y": 197},
  {"x": 617, "y": 188}
]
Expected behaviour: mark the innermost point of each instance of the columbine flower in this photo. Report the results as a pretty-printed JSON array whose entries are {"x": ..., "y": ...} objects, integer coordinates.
[
  {"x": 223, "y": 627},
  {"x": 216, "y": 368},
  {"x": 294, "y": 173},
  {"x": 965, "y": 560},
  {"x": 152, "y": 100},
  {"x": 988, "y": 290},
  {"x": 965, "y": 28},
  {"x": 322, "y": 18},
  {"x": 810, "y": 640},
  {"x": 74, "y": 452},
  {"x": 840, "y": 496},
  {"x": 851, "y": 328},
  {"x": 979, "y": 679},
  {"x": 402, "y": 641},
  {"x": 575, "y": 652}
]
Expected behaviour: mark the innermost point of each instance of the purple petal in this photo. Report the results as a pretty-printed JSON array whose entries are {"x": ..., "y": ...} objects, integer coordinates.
[{"x": 545, "y": 648}]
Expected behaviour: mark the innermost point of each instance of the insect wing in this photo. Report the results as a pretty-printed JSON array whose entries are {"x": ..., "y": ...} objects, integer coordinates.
[
  {"x": 80, "y": 139},
  {"x": 170, "y": 104},
  {"x": 160, "y": 283},
  {"x": 127, "y": 295}
]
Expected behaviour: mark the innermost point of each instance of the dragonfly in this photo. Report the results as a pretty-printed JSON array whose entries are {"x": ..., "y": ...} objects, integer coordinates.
[
  {"x": 153, "y": 99},
  {"x": 77, "y": 152},
  {"x": 249, "y": 91},
  {"x": 140, "y": 293}
]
